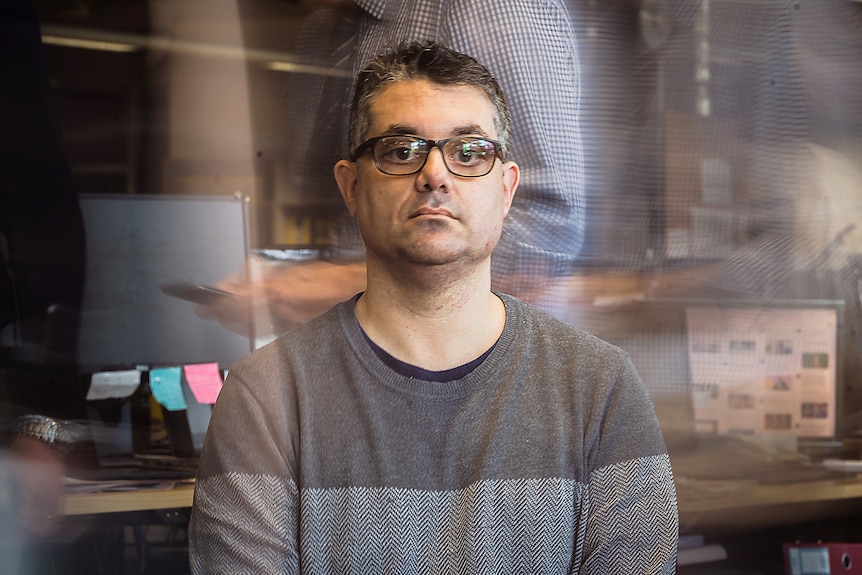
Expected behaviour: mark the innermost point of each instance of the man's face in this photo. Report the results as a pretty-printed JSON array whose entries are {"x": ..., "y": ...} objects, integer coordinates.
[{"x": 432, "y": 217}]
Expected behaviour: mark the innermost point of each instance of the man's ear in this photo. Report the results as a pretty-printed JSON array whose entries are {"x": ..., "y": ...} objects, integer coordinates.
[
  {"x": 345, "y": 176},
  {"x": 511, "y": 177}
]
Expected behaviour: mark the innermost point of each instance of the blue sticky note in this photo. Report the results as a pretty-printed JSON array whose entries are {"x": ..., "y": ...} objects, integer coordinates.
[{"x": 166, "y": 386}]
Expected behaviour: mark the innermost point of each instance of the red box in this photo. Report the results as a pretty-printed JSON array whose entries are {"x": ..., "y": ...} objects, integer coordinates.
[{"x": 822, "y": 558}]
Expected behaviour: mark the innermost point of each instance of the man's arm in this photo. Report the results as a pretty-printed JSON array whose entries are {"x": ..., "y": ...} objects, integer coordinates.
[
  {"x": 632, "y": 523},
  {"x": 244, "y": 518}
]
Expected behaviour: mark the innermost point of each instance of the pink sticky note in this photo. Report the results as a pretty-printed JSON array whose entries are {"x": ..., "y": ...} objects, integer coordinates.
[{"x": 205, "y": 381}]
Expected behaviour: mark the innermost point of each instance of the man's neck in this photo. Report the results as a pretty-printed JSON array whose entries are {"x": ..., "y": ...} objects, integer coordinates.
[{"x": 429, "y": 322}]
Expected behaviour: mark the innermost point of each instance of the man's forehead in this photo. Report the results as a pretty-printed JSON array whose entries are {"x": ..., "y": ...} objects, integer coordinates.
[{"x": 405, "y": 102}]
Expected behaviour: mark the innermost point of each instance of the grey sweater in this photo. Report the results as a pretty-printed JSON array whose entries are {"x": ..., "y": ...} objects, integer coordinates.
[{"x": 547, "y": 458}]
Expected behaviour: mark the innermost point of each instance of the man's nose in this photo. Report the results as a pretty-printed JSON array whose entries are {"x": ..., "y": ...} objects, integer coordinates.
[{"x": 434, "y": 173}]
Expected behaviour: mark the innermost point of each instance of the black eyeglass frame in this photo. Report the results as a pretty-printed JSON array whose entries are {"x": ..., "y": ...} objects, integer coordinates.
[{"x": 369, "y": 144}]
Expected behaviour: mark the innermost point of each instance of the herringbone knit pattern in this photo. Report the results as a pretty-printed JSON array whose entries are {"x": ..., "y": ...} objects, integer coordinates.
[
  {"x": 503, "y": 526},
  {"x": 506, "y": 526}
]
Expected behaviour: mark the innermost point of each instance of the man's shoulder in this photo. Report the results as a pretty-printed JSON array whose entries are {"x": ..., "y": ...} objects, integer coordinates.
[
  {"x": 311, "y": 337},
  {"x": 542, "y": 328},
  {"x": 542, "y": 320},
  {"x": 323, "y": 325}
]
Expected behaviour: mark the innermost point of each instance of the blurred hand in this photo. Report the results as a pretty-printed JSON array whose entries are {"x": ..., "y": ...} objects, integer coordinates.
[
  {"x": 39, "y": 471},
  {"x": 281, "y": 297}
]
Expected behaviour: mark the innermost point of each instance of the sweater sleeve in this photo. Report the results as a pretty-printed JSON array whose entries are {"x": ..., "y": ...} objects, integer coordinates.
[
  {"x": 244, "y": 517},
  {"x": 632, "y": 523}
]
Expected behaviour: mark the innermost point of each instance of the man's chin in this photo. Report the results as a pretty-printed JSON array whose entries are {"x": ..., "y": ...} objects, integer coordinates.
[{"x": 438, "y": 255}]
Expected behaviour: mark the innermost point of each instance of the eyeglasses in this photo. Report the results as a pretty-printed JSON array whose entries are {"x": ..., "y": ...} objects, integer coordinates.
[{"x": 466, "y": 156}]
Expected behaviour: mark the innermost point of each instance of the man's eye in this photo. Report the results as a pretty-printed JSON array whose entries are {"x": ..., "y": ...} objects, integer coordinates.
[
  {"x": 399, "y": 151},
  {"x": 470, "y": 153},
  {"x": 402, "y": 154}
]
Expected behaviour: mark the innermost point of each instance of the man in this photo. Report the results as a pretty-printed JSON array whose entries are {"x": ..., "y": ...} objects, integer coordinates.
[
  {"x": 430, "y": 425},
  {"x": 531, "y": 48}
]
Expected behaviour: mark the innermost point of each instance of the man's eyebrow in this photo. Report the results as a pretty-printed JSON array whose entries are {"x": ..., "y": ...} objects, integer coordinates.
[
  {"x": 400, "y": 130},
  {"x": 469, "y": 130}
]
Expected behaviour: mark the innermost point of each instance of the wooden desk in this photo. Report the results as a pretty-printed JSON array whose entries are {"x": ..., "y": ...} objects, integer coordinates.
[
  {"x": 180, "y": 495},
  {"x": 758, "y": 506},
  {"x": 754, "y": 506}
]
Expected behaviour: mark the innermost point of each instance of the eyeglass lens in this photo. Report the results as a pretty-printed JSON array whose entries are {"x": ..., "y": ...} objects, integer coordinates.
[{"x": 404, "y": 155}]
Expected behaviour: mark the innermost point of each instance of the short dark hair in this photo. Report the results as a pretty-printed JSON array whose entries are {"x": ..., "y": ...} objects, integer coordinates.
[{"x": 430, "y": 61}]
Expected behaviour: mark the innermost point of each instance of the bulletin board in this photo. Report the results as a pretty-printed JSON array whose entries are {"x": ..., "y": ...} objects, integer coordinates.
[{"x": 765, "y": 370}]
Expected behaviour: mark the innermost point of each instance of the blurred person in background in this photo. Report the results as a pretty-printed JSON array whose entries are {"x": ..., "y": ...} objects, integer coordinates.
[
  {"x": 42, "y": 250},
  {"x": 531, "y": 49}
]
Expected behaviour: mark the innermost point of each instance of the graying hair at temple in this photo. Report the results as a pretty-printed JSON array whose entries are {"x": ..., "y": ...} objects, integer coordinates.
[{"x": 424, "y": 61}]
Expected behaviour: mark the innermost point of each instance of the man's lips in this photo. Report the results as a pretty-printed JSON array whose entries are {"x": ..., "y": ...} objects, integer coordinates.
[{"x": 432, "y": 212}]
